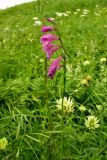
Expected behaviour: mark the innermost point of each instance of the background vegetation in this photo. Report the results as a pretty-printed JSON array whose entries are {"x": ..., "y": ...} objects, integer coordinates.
[{"x": 34, "y": 132}]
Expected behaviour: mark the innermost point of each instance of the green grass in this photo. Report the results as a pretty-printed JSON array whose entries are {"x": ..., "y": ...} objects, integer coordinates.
[{"x": 34, "y": 132}]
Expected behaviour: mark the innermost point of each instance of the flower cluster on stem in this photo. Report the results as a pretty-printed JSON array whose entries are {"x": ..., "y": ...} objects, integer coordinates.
[{"x": 50, "y": 48}]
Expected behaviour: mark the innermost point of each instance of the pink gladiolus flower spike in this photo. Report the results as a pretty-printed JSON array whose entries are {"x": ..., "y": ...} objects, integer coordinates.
[
  {"x": 47, "y": 28},
  {"x": 51, "y": 19},
  {"x": 55, "y": 65},
  {"x": 48, "y": 38},
  {"x": 49, "y": 49}
]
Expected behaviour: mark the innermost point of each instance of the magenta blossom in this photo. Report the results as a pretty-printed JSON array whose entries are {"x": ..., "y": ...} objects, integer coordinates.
[
  {"x": 55, "y": 65},
  {"x": 49, "y": 49},
  {"x": 48, "y": 38},
  {"x": 51, "y": 19},
  {"x": 47, "y": 28}
]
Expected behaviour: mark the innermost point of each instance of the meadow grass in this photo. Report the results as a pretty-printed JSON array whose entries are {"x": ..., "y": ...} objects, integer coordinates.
[{"x": 33, "y": 131}]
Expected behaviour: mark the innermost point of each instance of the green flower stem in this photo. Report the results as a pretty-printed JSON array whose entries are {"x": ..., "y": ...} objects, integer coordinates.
[
  {"x": 64, "y": 82},
  {"x": 50, "y": 124},
  {"x": 64, "y": 63},
  {"x": 46, "y": 83}
]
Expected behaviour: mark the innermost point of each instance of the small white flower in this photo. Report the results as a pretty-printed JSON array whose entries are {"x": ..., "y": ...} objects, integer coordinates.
[
  {"x": 41, "y": 60},
  {"x": 99, "y": 107},
  {"x": 6, "y": 29},
  {"x": 30, "y": 40},
  {"x": 86, "y": 63},
  {"x": 103, "y": 60},
  {"x": 85, "y": 13},
  {"x": 68, "y": 12},
  {"x": 75, "y": 13},
  {"x": 35, "y": 18},
  {"x": 91, "y": 122},
  {"x": 78, "y": 9},
  {"x": 82, "y": 15},
  {"x": 86, "y": 10},
  {"x": 65, "y": 14},
  {"x": 59, "y": 14},
  {"x": 38, "y": 23},
  {"x": 97, "y": 14},
  {"x": 82, "y": 108},
  {"x": 97, "y": 6},
  {"x": 62, "y": 14},
  {"x": 68, "y": 105}
]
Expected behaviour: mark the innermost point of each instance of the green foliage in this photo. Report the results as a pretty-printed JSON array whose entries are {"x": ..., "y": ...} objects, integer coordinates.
[{"x": 32, "y": 130}]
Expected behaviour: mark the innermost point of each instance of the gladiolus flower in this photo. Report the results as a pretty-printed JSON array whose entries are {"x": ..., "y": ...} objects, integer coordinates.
[
  {"x": 48, "y": 38},
  {"x": 55, "y": 65},
  {"x": 51, "y": 19},
  {"x": 49, "y": 49},
  {"x": 47, "y": 28}
]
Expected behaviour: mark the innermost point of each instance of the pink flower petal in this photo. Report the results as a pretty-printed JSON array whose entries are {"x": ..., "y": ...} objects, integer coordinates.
[
  {"x": 55, "y": 65},
  {"x": 47, "y": 28},
  {"x": 49, "y": 49},
  {"x": 51, "y": 19},
  {"x": 48, "y": 38}
]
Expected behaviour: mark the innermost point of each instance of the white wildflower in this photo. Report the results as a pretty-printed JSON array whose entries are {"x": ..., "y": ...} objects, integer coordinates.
[
  {"x": 86, "y": 10},
  {"x": 82, "y": 108},
  {"x": 75, "y": 13},
  {"x": 68, "y": 105},
  {"x": 97, "y": 6},
  {"x": 62, "y": 14},
  {"x": 99, "y": 107},
  {"x": 85, "y": 13},
  {"x": 38, "y": 23},
  {"x": 91, "y": 122},
  {"x": 68, "y": 12},
  {"x": 30, "y": 40},
  {"x": 35, "y": 18},
  {"x": 86, "y": 63},
  {"x": 65, "y": 14},
  {"x": 103, "y": 60},
  {"x": 78, "y": 9},
  {"x": 41, "y": 60},
  {"x": 59, "y": 14},
  {"x": 82, "y": 15},
  {"x": 6, "y": 29},
  {"x": 97, "y": 14}
]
